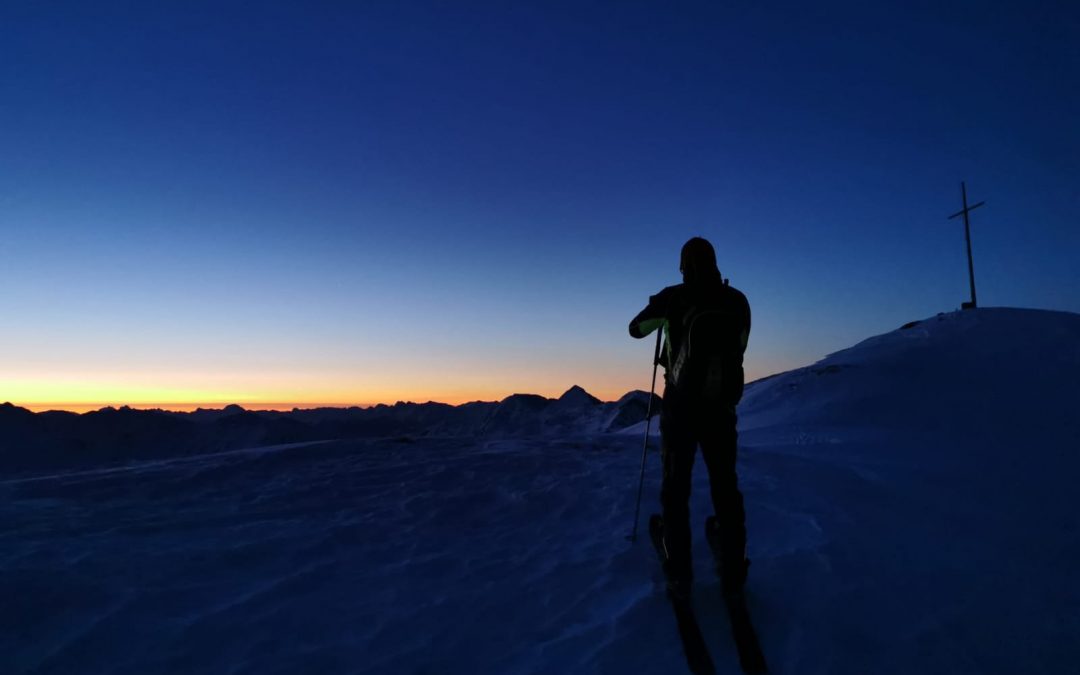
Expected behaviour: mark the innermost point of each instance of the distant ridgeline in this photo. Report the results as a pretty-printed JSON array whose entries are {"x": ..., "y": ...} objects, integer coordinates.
[
  {"x": 55, "y": 439},
  {"x": 981, "y": 373}
]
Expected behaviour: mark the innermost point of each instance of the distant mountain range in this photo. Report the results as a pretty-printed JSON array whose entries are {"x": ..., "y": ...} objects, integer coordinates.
[
  {"x": 972, "y": 349},
  {"x": 55, "y": 439}
]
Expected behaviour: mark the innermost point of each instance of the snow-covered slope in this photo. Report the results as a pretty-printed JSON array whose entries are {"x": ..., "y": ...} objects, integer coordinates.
[
  {"x": 910, "y": 505},
  {"x": 918, "y": 509},
  {"x": 955, "y": 371}
]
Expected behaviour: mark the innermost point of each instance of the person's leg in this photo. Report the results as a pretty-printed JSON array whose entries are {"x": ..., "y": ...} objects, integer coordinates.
[
  {"x": 719, "y": 442},
  {"x": 678, "y": 447}
]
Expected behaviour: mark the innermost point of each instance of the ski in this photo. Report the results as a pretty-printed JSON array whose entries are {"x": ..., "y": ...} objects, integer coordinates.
[
  {"x": 693, "y": 642},
  {"x": 751, "y": 658}
]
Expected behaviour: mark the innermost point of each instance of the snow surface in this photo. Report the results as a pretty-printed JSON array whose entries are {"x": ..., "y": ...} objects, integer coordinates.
[{"x": 910, "y": 507}]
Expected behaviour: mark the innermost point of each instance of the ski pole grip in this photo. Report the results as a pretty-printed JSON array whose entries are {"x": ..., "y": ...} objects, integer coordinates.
[{"x": 659, "y": 337}]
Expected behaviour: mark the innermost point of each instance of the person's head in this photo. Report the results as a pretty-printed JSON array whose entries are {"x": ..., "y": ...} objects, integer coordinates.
[{"x": 698, "y": 261}]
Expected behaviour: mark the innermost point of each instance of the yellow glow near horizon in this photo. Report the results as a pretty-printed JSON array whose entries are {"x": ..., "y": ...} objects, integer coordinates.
[
  {"x": 262, "y": 403},
  {"x": 84, "y": 396},
  {"x": 285, "y": 391}
]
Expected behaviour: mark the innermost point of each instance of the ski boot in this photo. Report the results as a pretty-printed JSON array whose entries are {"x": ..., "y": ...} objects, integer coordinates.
[
  {"x": 731, "y": 566},
  {"x": 679, "y": 581}
]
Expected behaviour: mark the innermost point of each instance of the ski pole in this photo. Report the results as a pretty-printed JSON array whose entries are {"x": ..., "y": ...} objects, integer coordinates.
[{"x": 645, "y": 445}]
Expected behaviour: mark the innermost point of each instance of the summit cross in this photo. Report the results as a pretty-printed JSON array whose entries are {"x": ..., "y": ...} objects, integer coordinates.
[{"x": 967, "y": 236}]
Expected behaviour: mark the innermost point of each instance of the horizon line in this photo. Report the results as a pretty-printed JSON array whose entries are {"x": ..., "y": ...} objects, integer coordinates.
[
  {"x": 257, "y": 406},
  {"x": 81, "y": 407}
]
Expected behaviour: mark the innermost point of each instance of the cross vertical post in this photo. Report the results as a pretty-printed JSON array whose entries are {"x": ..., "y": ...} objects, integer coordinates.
[{"x": 967, "y": 237}]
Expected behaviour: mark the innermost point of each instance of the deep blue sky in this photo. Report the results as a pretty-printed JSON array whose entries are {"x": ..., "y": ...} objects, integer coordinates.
[{"x": 325, "y": 202}]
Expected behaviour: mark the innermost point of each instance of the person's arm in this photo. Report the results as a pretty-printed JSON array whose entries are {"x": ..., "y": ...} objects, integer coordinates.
[
  {"x": 650, "y": 318},
  {"x": 654, "y": 317}
]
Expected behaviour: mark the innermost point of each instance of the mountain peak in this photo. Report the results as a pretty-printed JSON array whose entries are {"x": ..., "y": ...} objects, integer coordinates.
[
  {"x": 12, "y": 409},
  {"x": 576, "y": 394}
]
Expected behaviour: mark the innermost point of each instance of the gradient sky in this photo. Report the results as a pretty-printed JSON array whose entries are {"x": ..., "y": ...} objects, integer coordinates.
[{"x": 296, "y": 203}]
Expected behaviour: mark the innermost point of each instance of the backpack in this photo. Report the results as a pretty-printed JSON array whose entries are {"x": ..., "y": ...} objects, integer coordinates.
[{"x": 708, "y": 363}]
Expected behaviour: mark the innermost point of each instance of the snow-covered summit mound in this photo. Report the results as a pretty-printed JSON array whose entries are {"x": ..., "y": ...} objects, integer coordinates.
[
  {"x": 958, "y": 370},
  {"x": 911, "y": 500}
]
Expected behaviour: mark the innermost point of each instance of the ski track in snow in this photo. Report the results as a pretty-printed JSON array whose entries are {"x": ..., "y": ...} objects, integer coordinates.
[{"x": 436, "y": 556}]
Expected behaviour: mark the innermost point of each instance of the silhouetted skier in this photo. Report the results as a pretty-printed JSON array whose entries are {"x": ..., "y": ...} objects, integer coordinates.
[{"x": 707, "y": 325}]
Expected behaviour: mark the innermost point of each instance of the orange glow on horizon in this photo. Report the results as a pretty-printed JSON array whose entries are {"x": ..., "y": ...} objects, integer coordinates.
[
  {"x": 184, "y": 406},
  {"x": 187, "y": 406},
  {"x": 144, "y": 391},
  {"x": 260, "y": 403}
]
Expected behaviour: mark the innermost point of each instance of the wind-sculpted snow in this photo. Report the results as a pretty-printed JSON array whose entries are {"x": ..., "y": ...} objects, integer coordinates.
[
  {"x": 910, "y": 501},
  {"x": 382, "y": 557}
]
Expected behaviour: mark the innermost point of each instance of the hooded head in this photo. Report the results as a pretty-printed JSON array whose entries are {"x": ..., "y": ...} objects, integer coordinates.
[{"x": 698, "y": 261}]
